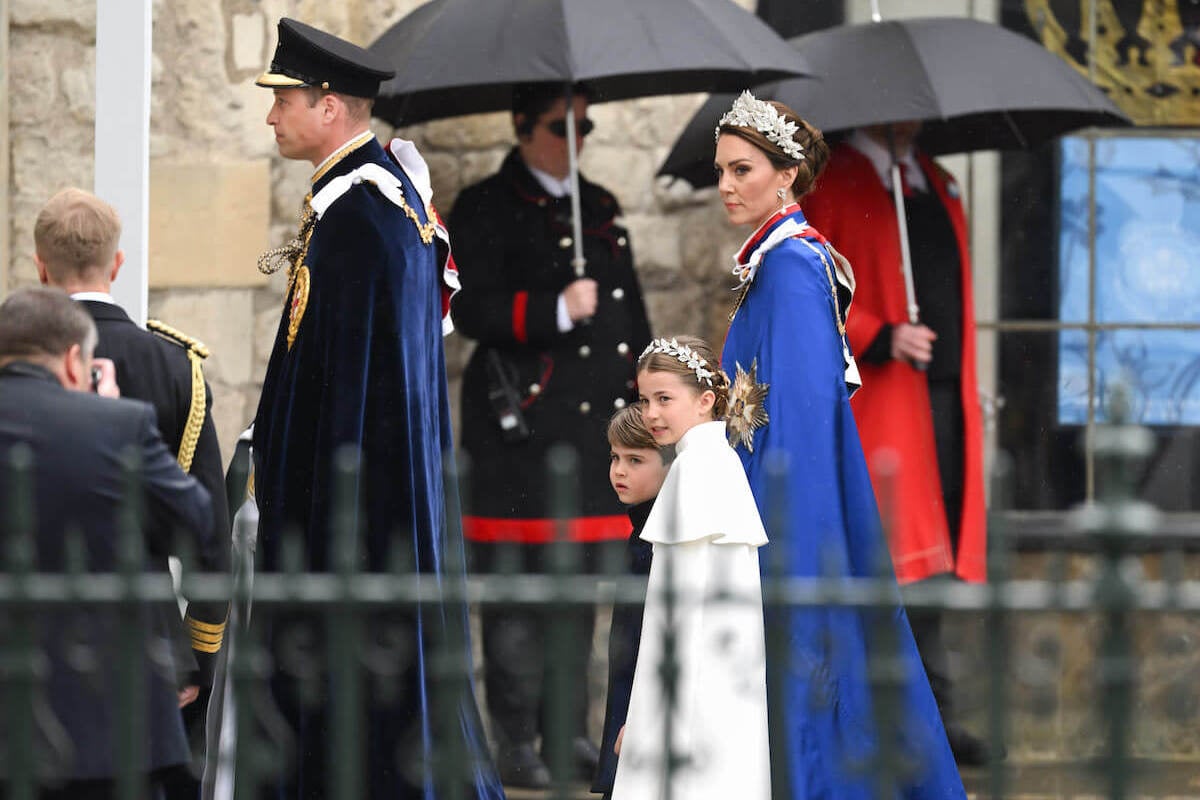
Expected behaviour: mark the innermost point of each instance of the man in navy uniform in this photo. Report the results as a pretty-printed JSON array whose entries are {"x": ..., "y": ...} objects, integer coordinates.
[
  {"x": 554, "y": 360},
  {"x": 75, "y": 443},
  {"x": 77, "y": 249},
  {"x": 358, "y": 369}
]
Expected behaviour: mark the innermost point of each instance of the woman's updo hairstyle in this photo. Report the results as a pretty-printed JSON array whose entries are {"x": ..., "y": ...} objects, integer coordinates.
[
  {"x": 816, "y": 151},
  {"x": 664, "y": 355}
]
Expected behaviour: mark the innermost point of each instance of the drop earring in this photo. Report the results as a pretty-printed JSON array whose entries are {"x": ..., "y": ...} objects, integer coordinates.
[{"x": 781, "y": 193}]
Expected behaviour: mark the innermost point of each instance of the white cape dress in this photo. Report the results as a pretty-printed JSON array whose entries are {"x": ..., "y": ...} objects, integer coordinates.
[{"x": 704, "y": 587}]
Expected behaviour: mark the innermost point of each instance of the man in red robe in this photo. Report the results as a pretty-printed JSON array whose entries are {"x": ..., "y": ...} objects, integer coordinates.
[{"x": 918, "y": 411}]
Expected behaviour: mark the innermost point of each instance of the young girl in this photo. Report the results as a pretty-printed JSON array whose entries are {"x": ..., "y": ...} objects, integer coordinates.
[{"x": 699, "y": 689}]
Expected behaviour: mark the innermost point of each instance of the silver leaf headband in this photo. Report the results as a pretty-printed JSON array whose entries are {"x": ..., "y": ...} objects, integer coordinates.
[
  {"x": 683, "y": 354},
  {"x": 750, "y": 112}
]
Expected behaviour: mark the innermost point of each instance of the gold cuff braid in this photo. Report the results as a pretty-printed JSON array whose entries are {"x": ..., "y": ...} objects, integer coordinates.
[{"x": 206, "y": 636}]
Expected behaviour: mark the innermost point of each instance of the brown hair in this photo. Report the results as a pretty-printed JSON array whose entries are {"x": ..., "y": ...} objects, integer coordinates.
[
  {"x": 40, "y": 322},
  {"x": 358, "y": 109},
  {"x": 664, "y": 362},
  {"x": 626, "y": 429},
  {"x": 76, "y": 233},
  {"x": 816, "y": 150}
]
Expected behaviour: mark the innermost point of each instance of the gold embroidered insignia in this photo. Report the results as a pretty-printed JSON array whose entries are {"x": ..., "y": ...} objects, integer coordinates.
[
  {"x": 299, "y": 303},
  {"x": 746, "y": 413}
]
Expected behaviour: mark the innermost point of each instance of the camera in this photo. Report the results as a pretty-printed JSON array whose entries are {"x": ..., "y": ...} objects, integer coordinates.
[
  {"x": 97, "y": 374},
  {"x": 504, "y": 400}
]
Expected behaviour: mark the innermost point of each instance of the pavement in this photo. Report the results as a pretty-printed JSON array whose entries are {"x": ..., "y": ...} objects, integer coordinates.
[{"x": 1149, "y": 780}]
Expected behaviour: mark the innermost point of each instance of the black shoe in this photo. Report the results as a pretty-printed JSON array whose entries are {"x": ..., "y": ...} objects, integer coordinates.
[
  {"x": 584, "y": 757},
  {"x": 520, "y": 766},
  {"x": 970, "y": 750}
]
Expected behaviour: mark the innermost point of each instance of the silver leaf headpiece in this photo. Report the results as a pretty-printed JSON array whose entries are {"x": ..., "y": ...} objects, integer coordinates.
[
  {"x": 750, "y": 112},
  {"x": 682, "y": 353}
]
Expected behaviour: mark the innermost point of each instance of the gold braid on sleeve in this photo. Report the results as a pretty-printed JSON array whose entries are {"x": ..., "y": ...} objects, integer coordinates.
[
  {"x": 195, "y": 419},
  {"x": 196, "y": 353}
]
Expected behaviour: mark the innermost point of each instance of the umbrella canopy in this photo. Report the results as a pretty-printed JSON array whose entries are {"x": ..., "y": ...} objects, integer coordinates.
[
  {"x": 975, "y": 85},
  {"x": 464, "y": 56}
]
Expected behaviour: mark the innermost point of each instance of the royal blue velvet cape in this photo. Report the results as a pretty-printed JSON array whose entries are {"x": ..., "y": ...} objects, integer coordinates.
[
  {"x": 367, "y": 370},
  {"x": 830, "y": 526}
]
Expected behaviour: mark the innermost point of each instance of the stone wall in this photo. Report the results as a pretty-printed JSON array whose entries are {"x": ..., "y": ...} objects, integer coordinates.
[{"x": 210, "y": 147}]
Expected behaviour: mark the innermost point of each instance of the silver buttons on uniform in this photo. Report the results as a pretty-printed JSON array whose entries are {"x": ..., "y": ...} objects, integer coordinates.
[
  {"x": 619, "y": 403},
  {"x": 621, "y": 241},
  {"x": 584, "y": 351},
  {"x": 618, "y": 293},
  {"x": 565, "y": 242},
  {"x": 623, "y": 348},
  {"x": 585, "y": 407},
  {"x": 535, "y": 389}
]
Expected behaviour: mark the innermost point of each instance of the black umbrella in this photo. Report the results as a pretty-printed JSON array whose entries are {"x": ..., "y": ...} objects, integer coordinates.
[
  {"x": 457, "y": 57},
  {"x": 464, "y": 56},
  {"x": 975, "y": 85}
]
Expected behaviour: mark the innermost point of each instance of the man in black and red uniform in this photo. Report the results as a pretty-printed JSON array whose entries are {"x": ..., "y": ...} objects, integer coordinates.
[{"x": 555, "y": 358}]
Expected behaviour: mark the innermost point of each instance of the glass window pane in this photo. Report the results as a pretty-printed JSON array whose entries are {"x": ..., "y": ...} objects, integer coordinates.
[
  {"x": 1147, "y": 213},
  {"x": 1048, "y": 451}
]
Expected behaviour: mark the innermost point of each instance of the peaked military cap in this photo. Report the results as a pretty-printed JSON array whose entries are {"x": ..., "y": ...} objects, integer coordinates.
[{"x": 306, "y": 56}]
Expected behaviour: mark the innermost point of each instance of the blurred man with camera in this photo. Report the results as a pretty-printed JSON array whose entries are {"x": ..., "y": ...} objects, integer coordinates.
[{"x": 82, "y": 454}]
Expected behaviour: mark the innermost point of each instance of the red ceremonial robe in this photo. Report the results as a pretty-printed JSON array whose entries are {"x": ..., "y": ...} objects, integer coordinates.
[{"x": 854, "y": 210}]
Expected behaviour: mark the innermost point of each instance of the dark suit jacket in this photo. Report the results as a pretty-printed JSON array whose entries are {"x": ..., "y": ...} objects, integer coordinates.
[
  {"x": 156, "y": 370},
  {"x": 77, "y": 442}
]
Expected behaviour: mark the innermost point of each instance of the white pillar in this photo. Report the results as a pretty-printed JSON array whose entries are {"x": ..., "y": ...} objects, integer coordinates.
[
  {"x": 6, "y": 252},
  {"x": 123, "y": 136}
]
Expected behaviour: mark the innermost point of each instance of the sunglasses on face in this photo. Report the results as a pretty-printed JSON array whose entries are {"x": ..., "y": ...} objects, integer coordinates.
[{"x": 559, "y": 127}]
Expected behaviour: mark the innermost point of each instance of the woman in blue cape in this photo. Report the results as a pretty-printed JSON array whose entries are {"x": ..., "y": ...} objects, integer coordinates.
[{"x": 793, "y": 373}]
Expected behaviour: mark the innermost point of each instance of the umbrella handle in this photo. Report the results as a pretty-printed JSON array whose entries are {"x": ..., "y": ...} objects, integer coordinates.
[
  {"x": 910, "y": 292},
  {"x": 578, "y": 262}
]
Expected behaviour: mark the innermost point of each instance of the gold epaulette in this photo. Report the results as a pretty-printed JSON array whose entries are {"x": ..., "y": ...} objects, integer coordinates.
[
  {"x": 178, "y": 337},
  {"x": 206, "y": 637},
  {"x": 196, "y": 353}
]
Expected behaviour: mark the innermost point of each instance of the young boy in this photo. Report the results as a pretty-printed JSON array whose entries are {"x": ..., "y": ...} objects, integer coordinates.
[{"x": 636, "y": 469}]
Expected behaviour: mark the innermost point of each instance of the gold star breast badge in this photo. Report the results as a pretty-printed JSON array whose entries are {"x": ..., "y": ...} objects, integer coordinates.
[{"x": 746, "y": 412}]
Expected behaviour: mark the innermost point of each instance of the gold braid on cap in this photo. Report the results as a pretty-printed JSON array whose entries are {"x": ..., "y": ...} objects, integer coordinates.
[
  {"x": 682, "y": 353},
  {"x": 750, "y": 112},
  {"x": 196, "y": 353}
]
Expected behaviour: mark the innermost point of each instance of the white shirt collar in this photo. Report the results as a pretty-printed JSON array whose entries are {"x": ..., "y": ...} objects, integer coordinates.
[
  {"x": 97, "y": 297},
  {"x": 881, "y": 160},
  {"x": 345, "y": 146},
  {"x": 554, "y": 187}
]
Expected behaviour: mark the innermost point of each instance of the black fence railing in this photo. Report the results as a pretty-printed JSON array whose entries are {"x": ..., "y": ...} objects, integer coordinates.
[{"x": 333, "y": 631}]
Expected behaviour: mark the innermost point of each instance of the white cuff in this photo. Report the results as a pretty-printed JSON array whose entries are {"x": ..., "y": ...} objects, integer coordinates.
[{"x": 565, "y": 323}]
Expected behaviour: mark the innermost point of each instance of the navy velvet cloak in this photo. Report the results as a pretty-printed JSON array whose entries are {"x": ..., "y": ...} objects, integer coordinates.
[
  {"x": 367, "y": 370},
  {"x": 787, "y": 326}
]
